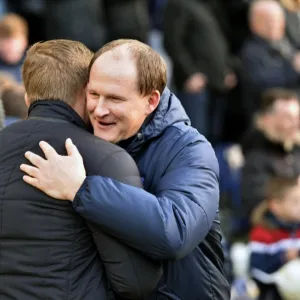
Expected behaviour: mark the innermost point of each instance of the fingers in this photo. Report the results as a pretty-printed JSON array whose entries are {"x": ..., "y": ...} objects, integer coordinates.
[
  {"x": 32, "y": 181},
  {"x": 29, "y": 170},
  {"x": 47, "y": 149},
  {"x": 72, "y": 149},
  {"x": 34, "y": 159}
]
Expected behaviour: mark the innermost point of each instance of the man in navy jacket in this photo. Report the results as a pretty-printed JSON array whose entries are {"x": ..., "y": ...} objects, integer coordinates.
[{"x": 175, "y": 219}]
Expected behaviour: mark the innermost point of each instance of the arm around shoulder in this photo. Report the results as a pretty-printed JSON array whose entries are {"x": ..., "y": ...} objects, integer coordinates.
[
  {"x": 169, "y": 224},
  {"x": 132, "y": 275}
]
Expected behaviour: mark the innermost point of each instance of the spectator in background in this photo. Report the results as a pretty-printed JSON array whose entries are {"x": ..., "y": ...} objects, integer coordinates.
[
  {"x": 188, "y": 26},
  {"x": 12, "y": 94},
  {"x": 271, "y": 148},
  {"x": 127, "y": 19},
  {"x": 13, "y": 43},
  {"x": 268, "y": 58},
  {"x": 292, "y": 12},
  {"x": 156, "y": 13},
  {"x": 274, "y": 239},
  {"x": 33, "y": 11},
  {"x": 76, "y": 20}
]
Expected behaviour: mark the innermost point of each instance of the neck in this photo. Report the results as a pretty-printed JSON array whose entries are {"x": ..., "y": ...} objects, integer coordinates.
[
  {"x": 80, "y": 106},
  {"x": 80, "y": 109}
]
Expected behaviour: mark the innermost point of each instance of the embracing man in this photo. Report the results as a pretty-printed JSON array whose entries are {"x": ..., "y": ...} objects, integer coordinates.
[
  {"x": 175, "y": 219},
  {"x": 47, "y": 251}
]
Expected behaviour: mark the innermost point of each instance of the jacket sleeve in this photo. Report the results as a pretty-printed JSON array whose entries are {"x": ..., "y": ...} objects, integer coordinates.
[
  {"x": 131, "y": 274},
  {"x": 169, "y": 224},
  {"x": 254, "y": 178}
]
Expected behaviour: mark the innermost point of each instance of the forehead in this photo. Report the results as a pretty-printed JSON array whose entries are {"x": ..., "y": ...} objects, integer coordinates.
[
  {"x": 269, "y": 11},
  {"x": 114, "y": 72},
  {"x": 288, "y": 106},
  {"x": 115, "y": 63}
]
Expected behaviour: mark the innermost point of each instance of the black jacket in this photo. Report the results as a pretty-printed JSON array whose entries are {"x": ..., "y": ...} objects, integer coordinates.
[
  {"x": 46, "y": 249},
  {"x": 194, "y": 41},
  {"x": 264, "y": 66},
  {"x": 127, "y": 19},
  {"x": 76, "y": 20},
  {"x": 263, "y": 160}
]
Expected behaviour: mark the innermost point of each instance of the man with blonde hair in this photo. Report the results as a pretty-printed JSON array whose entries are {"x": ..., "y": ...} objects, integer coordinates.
[
  {"x": 175, "y": 219},
  {"x": 47, "y": 251}
]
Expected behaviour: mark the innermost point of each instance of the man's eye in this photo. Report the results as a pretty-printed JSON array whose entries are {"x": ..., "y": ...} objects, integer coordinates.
[{"x": 115, "y": 99}]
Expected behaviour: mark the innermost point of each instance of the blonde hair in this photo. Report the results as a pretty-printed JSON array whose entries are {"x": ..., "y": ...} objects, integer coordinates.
[{"x": 56, "y": 69}]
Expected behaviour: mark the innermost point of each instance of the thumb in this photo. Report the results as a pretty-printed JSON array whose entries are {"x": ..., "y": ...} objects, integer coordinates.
[{"x": 71, "y": 148}]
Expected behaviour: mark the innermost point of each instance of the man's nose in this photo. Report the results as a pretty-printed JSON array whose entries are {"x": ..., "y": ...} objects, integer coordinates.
[{"x": 102, "y": 108}]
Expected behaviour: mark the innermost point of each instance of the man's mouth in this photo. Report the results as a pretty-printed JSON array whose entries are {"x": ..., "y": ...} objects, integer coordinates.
[{"x": 105, "y": 125}]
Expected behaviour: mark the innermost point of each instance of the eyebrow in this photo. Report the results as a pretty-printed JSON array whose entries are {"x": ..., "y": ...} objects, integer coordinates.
[{"x": 116, "y": 97}]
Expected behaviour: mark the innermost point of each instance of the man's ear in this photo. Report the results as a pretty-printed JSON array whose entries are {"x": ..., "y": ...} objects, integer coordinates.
[
  {"x": 153, "y": 101},
  {"x": 27, "y": 102}
]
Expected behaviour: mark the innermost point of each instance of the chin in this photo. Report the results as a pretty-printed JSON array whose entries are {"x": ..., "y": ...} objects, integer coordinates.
[{"x": 104, "y": 136}]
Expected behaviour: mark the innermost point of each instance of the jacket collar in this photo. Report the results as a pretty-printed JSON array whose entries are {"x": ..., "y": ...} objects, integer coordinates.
[
  {"x": 55, "y": 109},
  {"x": 168, "y": 112},
  {"x": 274, "y": 222}
]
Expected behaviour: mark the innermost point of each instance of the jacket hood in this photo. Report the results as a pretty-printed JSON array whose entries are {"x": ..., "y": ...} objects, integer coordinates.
[{"x": 168, "y": 112}]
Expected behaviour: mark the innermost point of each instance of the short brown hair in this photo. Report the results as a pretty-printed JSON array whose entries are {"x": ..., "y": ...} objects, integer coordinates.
[
  {"x": 270, "y": 96},
  {"x": 152, "y": 70},
  {"x": 277, "y": 187},
  {"x": 12, "y": 25},
  {"x": 56, "y": 69}
]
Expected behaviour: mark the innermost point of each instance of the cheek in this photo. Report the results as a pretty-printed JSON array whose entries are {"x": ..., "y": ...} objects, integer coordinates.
[{"x": 90, "y": 104}]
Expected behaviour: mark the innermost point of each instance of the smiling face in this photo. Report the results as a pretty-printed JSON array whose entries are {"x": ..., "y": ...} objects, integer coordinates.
[
  {"x": 115, "y": 105},
  {"x": 284, "y": 119}
]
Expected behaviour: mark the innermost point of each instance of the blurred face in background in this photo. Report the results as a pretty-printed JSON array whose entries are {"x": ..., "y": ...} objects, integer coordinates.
[
  {"x": 12, "y": 48},
  {"x": 287, "y": 208},
  {"x": 267, "y": 20},
  {"x": 283, "y": 120}
]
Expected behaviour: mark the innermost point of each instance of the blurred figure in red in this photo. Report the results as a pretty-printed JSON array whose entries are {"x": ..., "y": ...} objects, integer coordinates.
[{"x": 274, "y": 239}]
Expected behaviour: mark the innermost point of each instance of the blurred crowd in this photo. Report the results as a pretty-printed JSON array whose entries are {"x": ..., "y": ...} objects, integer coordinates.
[{"x": 235, "y": 66}]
